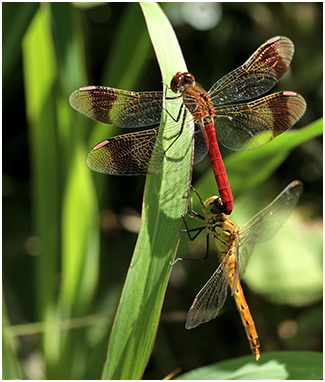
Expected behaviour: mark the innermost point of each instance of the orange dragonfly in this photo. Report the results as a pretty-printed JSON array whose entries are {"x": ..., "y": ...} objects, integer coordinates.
[
  {"x": 235, "y": 247},
  {"x": 227, "y": 113}
]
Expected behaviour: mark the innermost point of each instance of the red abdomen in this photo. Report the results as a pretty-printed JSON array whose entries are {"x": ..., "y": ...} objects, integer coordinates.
[{"x": 218, "y": 167}]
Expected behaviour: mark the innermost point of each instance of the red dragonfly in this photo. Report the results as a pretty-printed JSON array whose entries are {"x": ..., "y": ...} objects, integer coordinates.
[{"x": 220, "y": 113}]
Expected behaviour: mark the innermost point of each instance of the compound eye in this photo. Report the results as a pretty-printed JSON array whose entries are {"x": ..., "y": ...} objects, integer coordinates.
[
  {"x": 176, "y": 81},
  {"x": 181, "y": 79},
  {"x": 188, "y": 78},
  {"x": 217, "y": 207}
]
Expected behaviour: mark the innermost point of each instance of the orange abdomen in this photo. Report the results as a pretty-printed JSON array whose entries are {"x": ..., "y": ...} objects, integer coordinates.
[{"x": 244, "y": 312}]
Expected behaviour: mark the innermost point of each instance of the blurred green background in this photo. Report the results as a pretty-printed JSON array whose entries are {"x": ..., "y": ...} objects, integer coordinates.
[{"x": 69, "y": 234}]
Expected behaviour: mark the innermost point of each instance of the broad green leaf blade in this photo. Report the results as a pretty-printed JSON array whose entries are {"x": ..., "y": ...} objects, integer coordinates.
[
  {"x": 247, "y": 169},
  {"x": 275, "y": 365},
  {"x": 80, "y": 246},
  {"x": 79, "y": 225},
  {"x": 57, "y": 148},
  {"x": 80, "y": 217},
  {"x": 39, "y": 74},
  {"x": 138, "y": 314}
]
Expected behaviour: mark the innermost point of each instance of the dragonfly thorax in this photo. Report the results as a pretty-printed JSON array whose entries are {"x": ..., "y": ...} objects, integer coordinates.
[{"x": 224, "y": 232}]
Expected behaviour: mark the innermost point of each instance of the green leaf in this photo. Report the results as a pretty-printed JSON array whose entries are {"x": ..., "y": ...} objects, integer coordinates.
[
  {"x": 137, "y": 317},
  {"x": 79, "y": 209},
  {"x": 80, "y": 238},
  {"x": 63, "y": 192},
  {"x": 39, "y": 75},
  {"x": 275, "y": 365}
]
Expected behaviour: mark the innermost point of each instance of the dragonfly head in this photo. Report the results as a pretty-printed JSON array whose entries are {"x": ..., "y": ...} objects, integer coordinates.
[
  {"x": 180, "y": 80},
  {"x": 213, "y": 206}
]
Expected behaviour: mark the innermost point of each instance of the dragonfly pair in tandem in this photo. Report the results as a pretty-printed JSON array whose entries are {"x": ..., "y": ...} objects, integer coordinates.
[
  {"x": 224, "y": 114},
  {"x": 235, "y": 247},
  {"x": 221, "y": 114}
]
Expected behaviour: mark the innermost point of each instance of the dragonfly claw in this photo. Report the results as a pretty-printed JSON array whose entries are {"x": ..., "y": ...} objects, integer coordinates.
[{"x": 175, "y": 261}]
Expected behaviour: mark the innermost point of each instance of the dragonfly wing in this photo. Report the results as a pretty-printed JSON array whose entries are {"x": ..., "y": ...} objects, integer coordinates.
[
  {"x": 127, "y": 154},
  {"x": 118, "y": 107},
  {"x": 250, "y": 125},
  {"x": 264, "y": 225},
  {"x": 210, "y": 299},
  {"x": 138, "y": 153},
  {"x": 257, "y": 75},
  {"x": 200, "y": 147}
]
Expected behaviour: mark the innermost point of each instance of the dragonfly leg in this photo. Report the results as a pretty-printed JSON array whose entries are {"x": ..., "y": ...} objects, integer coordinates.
[
  {"x": 198, "y": 195},
  {"x": 195, "y": 215},
  {"x": 179, "y": 112},
  {"x": 197, "y": 230},
  {"x": 191, "y": 258},
  {"x": 191, "y": 212},
  {"x": 176, "y": 120}
]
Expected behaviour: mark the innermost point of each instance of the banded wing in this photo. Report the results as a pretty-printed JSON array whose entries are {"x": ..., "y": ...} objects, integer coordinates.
[
  {"x": 257, "y": 75},
  {"x": 132, "y": 154},
  {"x": 126, "y": 154},
  {"x": 264, "y": 225},
  {"x": 250, "y": 125},
  {"x": 211, "y": 298},
  {"x": 118, "y": 107}
]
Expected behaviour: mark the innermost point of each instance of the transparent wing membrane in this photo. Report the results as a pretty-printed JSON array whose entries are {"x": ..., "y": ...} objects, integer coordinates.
[
  {"x": 250, "y": 125},
  {"x": 210, "y": 299},
  {"x": 118, "y": 107},
  {"x": 131, "y": 154},
  {"x": 257, "y": 75},
  {"x": 264, "y": 225}
]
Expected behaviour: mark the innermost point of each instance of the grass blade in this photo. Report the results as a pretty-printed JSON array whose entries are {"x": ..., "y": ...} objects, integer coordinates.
[
  {"x": 39, "y": 75},
  {"x": 138, "y": 314}
]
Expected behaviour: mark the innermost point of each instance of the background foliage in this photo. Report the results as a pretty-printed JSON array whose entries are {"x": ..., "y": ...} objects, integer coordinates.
[{"x": 69, "y": 234}]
